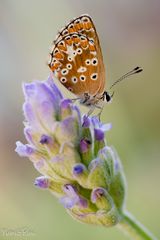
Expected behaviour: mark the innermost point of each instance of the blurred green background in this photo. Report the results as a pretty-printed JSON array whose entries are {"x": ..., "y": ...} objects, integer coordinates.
[{"x": 129, "y": 32}]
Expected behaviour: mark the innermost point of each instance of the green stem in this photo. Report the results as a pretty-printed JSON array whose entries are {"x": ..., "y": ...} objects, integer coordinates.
[{"x": 134, "y": 229}]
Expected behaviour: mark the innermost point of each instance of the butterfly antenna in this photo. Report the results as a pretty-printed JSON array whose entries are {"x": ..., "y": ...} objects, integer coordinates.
[{"x": 128, "y": 74}]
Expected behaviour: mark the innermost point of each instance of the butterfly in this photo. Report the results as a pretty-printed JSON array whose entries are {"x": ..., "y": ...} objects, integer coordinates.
[{"x": 77, "y": 62}]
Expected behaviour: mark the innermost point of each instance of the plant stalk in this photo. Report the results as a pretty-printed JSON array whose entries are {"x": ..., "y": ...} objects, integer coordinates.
[{"x": 134, "y": 229}]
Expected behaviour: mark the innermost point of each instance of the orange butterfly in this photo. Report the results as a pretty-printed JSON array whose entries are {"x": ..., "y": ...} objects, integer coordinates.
[{"x": 76, "y": 60}]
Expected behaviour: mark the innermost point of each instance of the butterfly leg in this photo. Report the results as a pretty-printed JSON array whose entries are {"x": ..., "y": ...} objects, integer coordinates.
[
  {"x": 91, "y": 110},
  {"x": 100, "y": 112},
  {"x": 75, "y": 99}
]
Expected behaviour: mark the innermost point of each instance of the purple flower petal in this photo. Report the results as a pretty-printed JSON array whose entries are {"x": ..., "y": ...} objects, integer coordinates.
[
  {"x": 72, "y": 198},
  {"x": 97, "y": 193},
  {"x": 41, "y": 106},
  {"x": 97, "y": 124},
  {"x": 78, "y": 169},
  {"x": 40, "y": 164},
  {"x": 65, "y": 103},
  {"x": 42, "y": 182},
  {"x": 106, "y": 127},
  {"x": 38, "y": 91},
  {"x": 68, "y": 202},
  {"x": 57, "y": 158},
  {"x": 53, "y": 87},
  {"x": 77, "y": 111},
  {"x": 86, "y": 121},
  {"x": 28, "y": 112},
  {"x": 24, "y": 150},
  {"x": 83, "y": 203},
  {"x": 70, "y": 190},
  {"x": 99, "y": 134},
  {"x": 84, "y": 145},
  {"x": 67, "y": 130},
  {"x": 29, "y": 89},
  {"x": 95, "y": 121},
  {"x": 28, "y": 134},
  {"x": 45, "y": 139}
]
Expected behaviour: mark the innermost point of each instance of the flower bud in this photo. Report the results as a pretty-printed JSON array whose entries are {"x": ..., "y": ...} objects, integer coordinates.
[
  {"x": 42, "y": 182},
  {"x": 71, "y": 154}
]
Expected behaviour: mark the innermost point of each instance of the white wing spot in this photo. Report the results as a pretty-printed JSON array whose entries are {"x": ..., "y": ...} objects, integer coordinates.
[
  {"x": 94, "y": 61},
  {"x": 83, "y": 78},
  {"x": 69, "y": 66},
  {"x": 70, "y": 59},
  {"x": 74, "y": 80},
  {"x": 79, "y": 51},
  {"x": 63, "y": 79},
  {"x": 82, "y": 69},
  {"x": 88, "y": 61},
  {"x": 94, "y": 53},
  {"x": 74, "y": 53},
  {"x": 70, "y": 89},
  {"x": 71, "y": 53},
  {"x": 94, "y": 76},
  {"x": 64, "y": 71}
]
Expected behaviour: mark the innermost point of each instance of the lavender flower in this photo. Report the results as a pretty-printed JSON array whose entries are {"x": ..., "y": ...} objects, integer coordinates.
[{"x": 71, "y": 154}]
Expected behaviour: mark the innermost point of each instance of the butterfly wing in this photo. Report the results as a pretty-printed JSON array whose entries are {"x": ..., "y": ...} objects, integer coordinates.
[{"x": 76, "y": 58}]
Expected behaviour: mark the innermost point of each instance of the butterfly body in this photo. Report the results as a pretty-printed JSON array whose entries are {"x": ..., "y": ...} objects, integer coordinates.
[{"x": 76, "y": 60}]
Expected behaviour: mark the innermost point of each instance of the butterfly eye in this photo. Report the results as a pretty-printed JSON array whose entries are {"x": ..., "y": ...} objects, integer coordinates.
[
  {"x": 63, "y": 79},
  {"x": 74, "y": 79},
  {"x": 82, "y": 78},
  {"x": 64, "y": 71},
  {"x": 79, "y": 51},
  {"x": 94, "y": 61},
  {"x": 88, "y": 62},
  {"x": 94, "y": 76}
]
